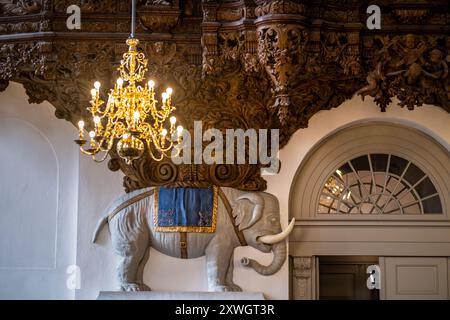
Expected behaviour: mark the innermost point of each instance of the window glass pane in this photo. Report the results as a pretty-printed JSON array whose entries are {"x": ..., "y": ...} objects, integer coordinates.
[
  {"x": 379, "y": 162},
  {"x": 397, "y": 165},
  {"x": 425, "y": 188},
  {"x": 413, "y": 174},
  {"x": 343, "y": 208},
  {"x": 432, "y": 205},
  {"x": 392, "y": 184},
  {"x": 414, "y": 209},
  {"x": 345, "y": 169},
  {"x": 323, "y": 209},
  {"x": 361, "y": 163}
]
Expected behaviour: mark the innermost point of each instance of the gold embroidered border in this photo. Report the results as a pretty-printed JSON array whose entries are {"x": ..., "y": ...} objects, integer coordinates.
[{"x": 195, "y": 229}]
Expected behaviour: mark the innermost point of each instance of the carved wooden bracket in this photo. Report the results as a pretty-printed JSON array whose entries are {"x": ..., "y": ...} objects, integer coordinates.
[
  {"x": 233, "y": 64},
  {"x": 303, "y": 278}
]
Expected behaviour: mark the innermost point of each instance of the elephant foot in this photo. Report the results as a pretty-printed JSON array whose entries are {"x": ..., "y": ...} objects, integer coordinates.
[
  {"x": 134, "y": 287},
  {"x": 226, "y": 288},
  {"x": 234, "y": 287}
]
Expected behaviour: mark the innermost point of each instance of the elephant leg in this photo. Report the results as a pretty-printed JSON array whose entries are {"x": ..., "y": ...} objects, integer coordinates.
[
  {"x": 218, "y": 255},
  {"x": 229, "y": 277},
  {"x": 132, "y": 250},
  {"x": 140, "y": 271}
]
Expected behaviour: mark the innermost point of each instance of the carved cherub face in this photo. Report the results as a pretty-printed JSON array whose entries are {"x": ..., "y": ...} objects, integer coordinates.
[
  {"x": 436, "y": 56},
  {"x": 410, "y": 41},
  {"x": 270, "y": 32},
  {"x": 159, "y": 47}
]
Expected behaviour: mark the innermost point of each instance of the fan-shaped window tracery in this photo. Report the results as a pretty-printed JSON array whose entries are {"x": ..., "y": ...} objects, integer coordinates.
[{"x": 379, "y": 184}]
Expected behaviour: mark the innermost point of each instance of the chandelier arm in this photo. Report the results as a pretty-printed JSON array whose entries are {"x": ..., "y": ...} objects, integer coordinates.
[
  {"x": 162, "y": 149},
  {"x": 151, "y": 152},
  {"x": 101, "y": 159},
  {"x": 144, "y": 128},
  {"x": 108, "y": 148},
  {"x": 178, "y": 151},
  {"x": 87, "y": 152},
  {"x": 161, "y": 116},
  {"x": 165, "y": 113},
  {"x": 165, "y": 153},
  {"x": 101, "y": 113}
]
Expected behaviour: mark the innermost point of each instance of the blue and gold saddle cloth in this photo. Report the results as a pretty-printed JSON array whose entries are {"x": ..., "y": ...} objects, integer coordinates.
[{"x": 185, "y": 209}]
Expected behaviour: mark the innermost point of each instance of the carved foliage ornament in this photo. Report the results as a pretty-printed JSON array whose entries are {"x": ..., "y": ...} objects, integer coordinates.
[
  {"x": 279, "y": 7},
  {"x": 281, "y": 50},
  {"x": 19, "y": 7},
  {"x": 413, "y": 68}
]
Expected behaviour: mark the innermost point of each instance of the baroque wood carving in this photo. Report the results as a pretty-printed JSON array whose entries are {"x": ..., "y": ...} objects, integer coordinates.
[
  {"x": 233, "y": 64},
  {"x": 412, "y": 68}
]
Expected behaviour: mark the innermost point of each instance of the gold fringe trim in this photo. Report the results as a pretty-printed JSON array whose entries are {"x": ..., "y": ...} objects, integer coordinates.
[{"x": 195, "y": 229}]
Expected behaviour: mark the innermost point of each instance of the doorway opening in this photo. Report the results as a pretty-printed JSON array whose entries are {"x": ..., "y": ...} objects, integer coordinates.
[{"x": 345, "y": 278}]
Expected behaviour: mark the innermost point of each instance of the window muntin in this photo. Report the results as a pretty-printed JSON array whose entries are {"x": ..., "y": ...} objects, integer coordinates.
[{"x": 379, "y": 184}]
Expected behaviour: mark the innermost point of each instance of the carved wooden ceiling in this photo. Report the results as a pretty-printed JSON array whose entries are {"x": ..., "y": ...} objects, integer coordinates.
[{"x": 232, "y": 64}]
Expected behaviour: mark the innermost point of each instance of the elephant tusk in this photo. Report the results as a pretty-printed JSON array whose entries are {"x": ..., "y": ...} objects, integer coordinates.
[{"x": 275, "y": 238}]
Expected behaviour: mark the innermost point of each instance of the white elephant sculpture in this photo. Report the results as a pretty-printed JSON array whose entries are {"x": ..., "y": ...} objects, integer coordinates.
[{"x": 243, "y": 218}]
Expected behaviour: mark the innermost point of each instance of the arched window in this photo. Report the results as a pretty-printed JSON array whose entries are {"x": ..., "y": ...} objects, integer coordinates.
[
  {"x": 373, "y": 171},
  {"x": 379, "y": 183}
]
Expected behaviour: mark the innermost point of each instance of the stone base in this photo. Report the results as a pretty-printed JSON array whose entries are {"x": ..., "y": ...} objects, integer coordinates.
[{"x": 173, "y": 295}]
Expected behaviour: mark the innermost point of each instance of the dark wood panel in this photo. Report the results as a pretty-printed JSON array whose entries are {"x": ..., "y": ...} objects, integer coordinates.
[{"x": 344, "y": 278}]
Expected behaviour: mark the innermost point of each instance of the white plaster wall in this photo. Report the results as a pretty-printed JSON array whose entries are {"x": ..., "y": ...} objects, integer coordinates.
[
  {"x": 38, "y": 199},
  {"x": 98, "y": 187}
]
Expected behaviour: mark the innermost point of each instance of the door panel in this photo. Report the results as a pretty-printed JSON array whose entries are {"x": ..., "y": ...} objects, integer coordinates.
[{"x": 415, "y": 278}]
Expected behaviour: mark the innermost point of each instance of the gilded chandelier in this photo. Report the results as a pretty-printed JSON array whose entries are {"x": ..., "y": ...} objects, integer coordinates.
[{"x": 131, "y": 117}]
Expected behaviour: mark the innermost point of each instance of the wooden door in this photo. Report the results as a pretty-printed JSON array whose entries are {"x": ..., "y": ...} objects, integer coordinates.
[
  {"x": 345, "y": 278},
  {"x": 414, "y": 278}
]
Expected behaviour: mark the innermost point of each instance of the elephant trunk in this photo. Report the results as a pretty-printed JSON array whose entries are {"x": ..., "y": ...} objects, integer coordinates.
[{"x": 279, "y": 256}]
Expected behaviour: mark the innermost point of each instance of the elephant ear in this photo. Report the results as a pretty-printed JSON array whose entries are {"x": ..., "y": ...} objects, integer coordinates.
[{"x": 247, "y": 210}]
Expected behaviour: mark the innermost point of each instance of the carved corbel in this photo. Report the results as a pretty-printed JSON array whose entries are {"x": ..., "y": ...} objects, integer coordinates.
[
  {"x": 159, "y": 15},
  {"x": 210, "y": 28},
  {"x": 281, "y": 50},
  {"x": 302, "y": 278},
  {"x": 282, "y": 40}
]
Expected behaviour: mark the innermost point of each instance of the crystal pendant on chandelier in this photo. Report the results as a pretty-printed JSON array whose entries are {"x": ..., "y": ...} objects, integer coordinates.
[{"x": 131, "y": 118}]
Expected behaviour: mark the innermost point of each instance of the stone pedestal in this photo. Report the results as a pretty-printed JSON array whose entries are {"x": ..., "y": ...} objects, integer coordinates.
[{"x": 172, "y": 295}]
